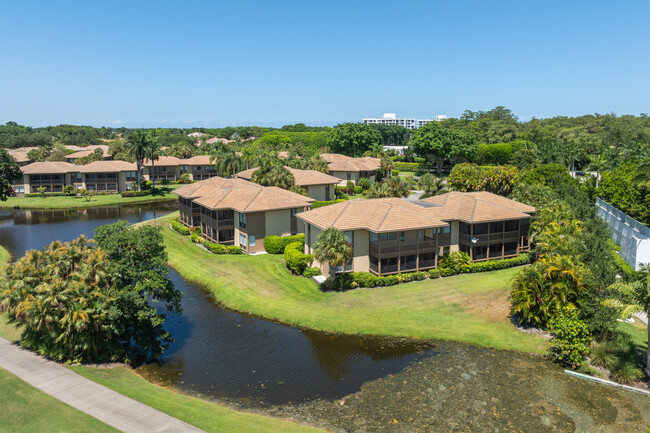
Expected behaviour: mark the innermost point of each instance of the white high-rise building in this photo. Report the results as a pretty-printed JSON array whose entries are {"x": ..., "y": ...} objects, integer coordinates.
[{"x": 391, "y": 119}]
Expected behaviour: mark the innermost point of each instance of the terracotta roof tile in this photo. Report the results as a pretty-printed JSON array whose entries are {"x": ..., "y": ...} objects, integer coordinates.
[
  {"x": 106, "y": 167},
  {"x": 301, "y": 177},
  {"x": 474, "y": 207},
  {"x": 48, "y": 167}
]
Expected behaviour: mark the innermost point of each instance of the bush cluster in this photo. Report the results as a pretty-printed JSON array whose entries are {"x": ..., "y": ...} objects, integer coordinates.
[
  {"x": 277, "y": 244},
  {"x": 311, "y": 272},
  {"x": 570, "y": 339},
  {"x": 353, "y": 280},
  {"x": 295, "y": 258},
  {"x": 136, "y": 193},
  {"x": 317, "y": 204},
  {"x": 63, "y": 194},
  {"x": 409, "y": 166},
  {"x": 180, "y": 228}
]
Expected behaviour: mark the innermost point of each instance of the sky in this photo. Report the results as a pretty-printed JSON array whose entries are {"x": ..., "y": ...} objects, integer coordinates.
[{"x": 217, "y": 63}]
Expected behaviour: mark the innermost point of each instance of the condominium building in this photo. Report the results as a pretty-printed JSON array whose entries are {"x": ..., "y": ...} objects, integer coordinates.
[
  {"x": 348, "y": 169},
  {"x": 392, "y": 235},
  {"x": 239, "y": 212},
  {"x": 319, "y": 186},
  {"x": 408, "y": 123}
]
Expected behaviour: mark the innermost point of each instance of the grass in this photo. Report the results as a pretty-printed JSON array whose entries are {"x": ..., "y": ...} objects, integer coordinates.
[
  {"x": 471, "y": 308},
  {"x": 638, "y": 331},
  {"x": 203, "y": 414},
  {"x": 69, "y": 202},
  {"x": 25, "y": 409}
]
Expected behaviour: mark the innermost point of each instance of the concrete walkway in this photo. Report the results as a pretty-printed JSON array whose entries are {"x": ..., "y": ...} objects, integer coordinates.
[{"x": 106, "y": 405}]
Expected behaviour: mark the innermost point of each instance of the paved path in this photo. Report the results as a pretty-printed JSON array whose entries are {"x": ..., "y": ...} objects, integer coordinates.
[{"x": 106, "y": 405}]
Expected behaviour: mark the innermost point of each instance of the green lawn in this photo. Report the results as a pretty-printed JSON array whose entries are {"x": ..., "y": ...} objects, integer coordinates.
[
  {"x": 26, "y": 409},
  {"x": 68, "y": 202},
  {"x": 203, "y": 414},
  {"x": 638, "y": 331},
  {"x": 5, "y": 256},
  {"x": 470, "y": 308}
]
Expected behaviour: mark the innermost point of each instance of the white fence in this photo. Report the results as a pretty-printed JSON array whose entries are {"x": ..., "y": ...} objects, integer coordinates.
[{"x": 631, "y": 235}]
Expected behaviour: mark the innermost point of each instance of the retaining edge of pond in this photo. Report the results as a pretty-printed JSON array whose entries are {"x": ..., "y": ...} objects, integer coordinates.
[{"x": 606, "y": 382}]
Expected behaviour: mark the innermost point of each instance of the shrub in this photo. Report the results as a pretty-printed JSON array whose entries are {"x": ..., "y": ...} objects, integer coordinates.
[
  {"x": 454, "y": 261},
  {"x": 180, "y": 228},
  {"x": 69, "y": 190},
  {"x": 411, "y": 276},
  {"x": 317, "y": 204},
  {"x": 349, "y": 186},
  {"x": 395, "y": 172},
  {"x": 146, "y": 184},
  {"x": 311, "y": 272},
  {"x": 358, "y": 189},
  {"x": 196, "y": 237},
  {"x": 446, "y": 272},
  {"x": 215, "y": 248},
  {"x": 234, "y": 249},
  {"x": 434, "y": 273},
  {"x": 185, "y": 178},
  {"x": 296, "y": 260},
  {"x": 626, "y": 372},
  {"x": 570, "y": 339},
  {"x": 136, "y": 193},
  {"x": 364, "y": 183},
  {"x": 166, "y": 182},
  {"x": 493, "y": 265},
  {"x": 410, "y": 166},
  {"x": 277, "y": 244}
]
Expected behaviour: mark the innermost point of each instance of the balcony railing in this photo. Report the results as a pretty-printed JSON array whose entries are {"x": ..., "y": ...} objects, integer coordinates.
[{"x": 392, "y": 247}]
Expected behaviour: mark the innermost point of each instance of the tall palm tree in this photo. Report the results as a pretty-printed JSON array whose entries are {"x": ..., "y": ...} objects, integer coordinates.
[
  {"x": 631, "y": 298},
  {"x": 387, "y": 164},
  {"x": 272, "y": 173},
  {"x": 153, "y": 153},
  {"x": 642, "y": 176},
  {"x": 376, "y": 151},
  {"x": 333, "y": 248},
  {"x": 598, "y": 163},
  {"x": 138, "y": 143}
]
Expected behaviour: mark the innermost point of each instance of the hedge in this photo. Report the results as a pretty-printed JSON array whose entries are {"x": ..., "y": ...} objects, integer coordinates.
[
  {"x": 136, "y": 193},
  {"x": 411, "y": 166},
  {"x": 295, "y": 258},
  {"x": 62, "y": 194},
  {"x": 353, "y": 280},
  {"x": 317, "y": 204},
  {"x": 276, "y": 244},
  {"x": 180, "y": 228}
]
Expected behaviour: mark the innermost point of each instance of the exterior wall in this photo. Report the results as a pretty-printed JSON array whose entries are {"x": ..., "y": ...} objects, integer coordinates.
[
  {"x": 354, "y": 176},
  {"x": 278, "y": 223},
  {"x": 360, "y": 259},
  {"x": 630, "y": 234},
  {"x": 455, "y": 234},
  {"x": 31, "y": 184},
  {"x": 317, "y": 192},
  {"x": 255, "y": 226},
  {"x": 202, "y": 172}
]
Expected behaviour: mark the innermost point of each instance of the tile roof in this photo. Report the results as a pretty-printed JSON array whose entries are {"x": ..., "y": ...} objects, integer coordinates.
[
  {"x": 241, "y": 195},
  {"x": 476, "y": 207},
  {"x": 301, "y": 177},
  {"x": 196, "y": 160},
  {"x": 166, "y": 161},
  {"x": 19, "y": 156},
  {"x": 376, "y": 215},
  {"x": 337, "y": 162},
  {"x": 106, "y": 167},
  {"x": 48, "y": 167},
  {"x": 88, "y": 150}
]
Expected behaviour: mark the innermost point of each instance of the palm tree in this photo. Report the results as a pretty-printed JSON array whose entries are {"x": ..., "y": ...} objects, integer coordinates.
[
  {"x": 138, "y": 147},
  {"x": 631, "y": 298},
  {"x": 598, "y": 163},
  {"x": 642, "y": 176},
  {"x": 272, "y": 173},
  {"x": 376, "y": 151},
  {"x": 332, "y": 248},
  {"x": 432, "y": 185},
  {"x": 387, "y": 164},
  {"x": 153, "y": 154}
]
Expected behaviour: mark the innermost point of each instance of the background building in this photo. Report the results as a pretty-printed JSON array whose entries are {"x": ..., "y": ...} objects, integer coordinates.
[{"x": 391, "y": 119}]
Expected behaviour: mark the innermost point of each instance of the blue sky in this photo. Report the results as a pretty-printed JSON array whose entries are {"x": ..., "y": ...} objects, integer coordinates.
[{"x": 189, "y": 63}]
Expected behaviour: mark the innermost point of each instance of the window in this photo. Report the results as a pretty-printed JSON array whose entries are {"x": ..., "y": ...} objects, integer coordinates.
[
  {"x": 309, "y": 235},
  {"x": 251, "y": 241},
  {"x": 495, "y": 250},
  {"x": 509, "y": 248},
  {"x": 465, "y": 228},
  {"x": 496, "y": 227},
  {"x": 242, "y": 220},
  {"x": 374, "y": 237},
  {"x": 420, "y": 234},
  {"x": 392, "y": 236},
  {"x": 512, "y": 225},
  {"x": 480, "y": 229},
  {"x": 350, "y": 236},
  {"x": 445, "y": 251},
  {"x": 446, "y": 229},
  {"x": 349, "y": 175},
  {"x": 242, "y": 240},
  {"x": 293, "y": 212},
  {"x": 402, "y": 236}
]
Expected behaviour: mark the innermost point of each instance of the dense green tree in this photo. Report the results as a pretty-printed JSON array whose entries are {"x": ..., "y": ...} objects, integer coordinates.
[
  {"x": 39, "y": 155},
  {"x": 138, "y": 264},
  {"x": 333, "y": 248},
  {"x": 432, "y": 185},
  {"x": 437, "y": 143},
  {"x": 9, "y": 173},
  {"x": 96, "y": 155},
  {"x": 353, "y": 139},
  {"x": 271, "y": 172},
  {"x": 496, "y": 179}
]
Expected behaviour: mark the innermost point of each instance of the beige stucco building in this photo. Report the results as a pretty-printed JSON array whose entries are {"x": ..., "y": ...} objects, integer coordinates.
[
  {"x": 319, "y": 186},
  {"x": 393, "y": 235},
  {"x": 346, "y": 168},
  {"x": 239, "y": 212}
]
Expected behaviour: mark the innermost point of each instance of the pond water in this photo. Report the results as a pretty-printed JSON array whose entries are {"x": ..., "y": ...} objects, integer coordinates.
[{"x": 221, "y": 354}]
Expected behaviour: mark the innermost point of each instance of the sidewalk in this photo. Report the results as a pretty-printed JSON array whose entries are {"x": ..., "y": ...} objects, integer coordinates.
[{"x": 96, "y": 400}]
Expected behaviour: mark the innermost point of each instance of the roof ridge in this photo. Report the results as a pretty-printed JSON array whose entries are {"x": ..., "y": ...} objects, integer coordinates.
[
  {"x": 253, "y": 199},
  {"x": 383, "y": 220},
  {"x": 347, "y": 204}
]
